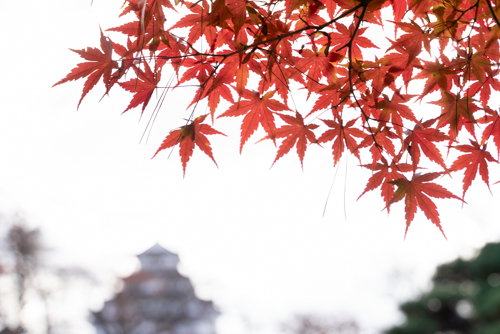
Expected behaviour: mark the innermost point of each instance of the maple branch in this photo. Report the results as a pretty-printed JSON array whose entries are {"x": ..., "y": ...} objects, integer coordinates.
[
  {"x": 351, "y": 68},
  {"x": 493, "y": 13},
  {"x": 278, "y": 38}
]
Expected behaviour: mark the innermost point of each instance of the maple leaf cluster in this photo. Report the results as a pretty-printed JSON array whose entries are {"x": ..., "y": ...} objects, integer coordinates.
[{"x": 253, "y": 53}]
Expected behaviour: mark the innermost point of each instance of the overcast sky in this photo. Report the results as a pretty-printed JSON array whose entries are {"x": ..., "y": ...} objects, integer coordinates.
[{"x": 251, "y": 238}]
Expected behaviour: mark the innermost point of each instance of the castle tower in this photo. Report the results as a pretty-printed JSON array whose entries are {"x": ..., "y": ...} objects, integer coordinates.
[{"x": 156, "y": 300}]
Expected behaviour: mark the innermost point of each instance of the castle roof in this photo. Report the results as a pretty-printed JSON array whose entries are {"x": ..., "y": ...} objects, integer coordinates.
[
  {"x": 156, "y": 249},
  {"x": 157, "y": 258}
]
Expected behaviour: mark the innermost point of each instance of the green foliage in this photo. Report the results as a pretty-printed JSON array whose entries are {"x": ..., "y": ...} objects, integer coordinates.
[{"x": 465, "y": 298}]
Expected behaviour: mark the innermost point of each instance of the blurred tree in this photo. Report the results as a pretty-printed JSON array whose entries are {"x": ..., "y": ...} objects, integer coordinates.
[
  {"x": 316, "y": 324},
  {"x": 464, "y": 299},
  {"x": 24, "y": 245},
  {"x": 19, "y": 262},
  {"x": 27, "y": 279}
]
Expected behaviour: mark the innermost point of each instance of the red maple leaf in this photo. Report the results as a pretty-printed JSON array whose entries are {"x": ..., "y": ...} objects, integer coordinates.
[
  {"x": 473, "y": 65},
  {"x": 127, "y": 57},
  {"x": 379, "y": 140},
  {"x": 372, "y": 14},
  {"x": 198, "y": 67},
  {"x": 423, "y": 139},
  {"x": 99, "y": 65},
  {"x": 317, "y": 65},
  {"x": 308, "y": 16},
  {"x": 292, "y": 5},
  {"x": 394, "y": 110},
  {"x": 341, "y": 39},
  {"x": 399, "y": 9},
  {"x": 198, "y": 24},
  {"x": 135, "y": 6},
  {"x": 411, "y": 42},
  {"x": 281, "y": 76},
  {"x": 456, "y": 111},
  {"x": 215, "y": 88},
  {"x": 239, "y": 12},
  {"x": 152, "y": 35},
  {"x": 493, "y": 128},
  {"x": 416, "y": 193},
  {"x": 219, "y": 13},
  {"x": 400, "y": 65},
  {"x": 295, "y": 133},
  {"x": 143, "y": 87},
  {"x": 420, "y": 7},
  {"x": 239, "y": 71},
  {"x": 189, "y": 135},
  {"x": 484, "y": 88},
  {"x": 474, "y": 157},
  {"x": 438, "y": 75},
  {"x": 380, "y": 76},
  {"x": 257, "y": 109},
  {"x": 213, "y": 84},
  {"x": 171, "y": 55},
  {"x": 341, "y": 135},
  {"x": 384, "y": 173},
  {"x": 331, "y": 95}
]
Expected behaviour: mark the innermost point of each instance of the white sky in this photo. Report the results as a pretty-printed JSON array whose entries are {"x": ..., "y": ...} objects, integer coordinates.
[{"x": 252, "y": 239}]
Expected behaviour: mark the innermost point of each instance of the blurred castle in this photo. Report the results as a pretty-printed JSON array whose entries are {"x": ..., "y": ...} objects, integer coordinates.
[{"x": 156, "y": 300}]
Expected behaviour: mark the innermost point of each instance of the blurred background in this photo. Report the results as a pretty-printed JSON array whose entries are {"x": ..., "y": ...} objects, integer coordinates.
[
  {"x": 80, "y": 198},
  {"x": 38, "y": 295}
]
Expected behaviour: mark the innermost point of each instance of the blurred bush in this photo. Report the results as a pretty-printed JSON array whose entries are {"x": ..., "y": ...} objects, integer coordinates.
[{"x": 464, "y": 299}]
